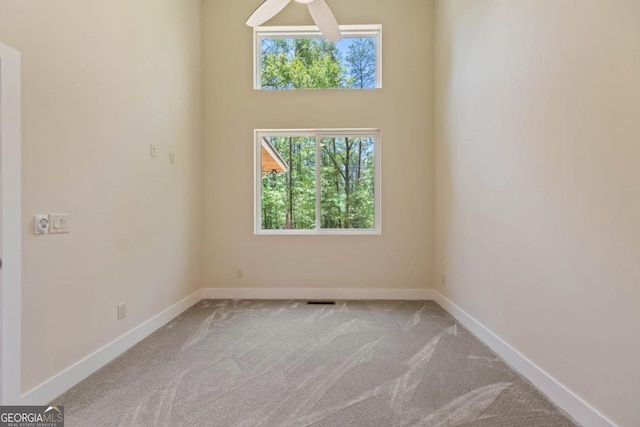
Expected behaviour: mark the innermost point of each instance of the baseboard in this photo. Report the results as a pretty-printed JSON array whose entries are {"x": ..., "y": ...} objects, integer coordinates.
[
  {"x": 317, "y": 293},
  {"x": 55, "y": 386},
  {"x": 580, "y": 410},
  {"x": 577, "y": 408}
]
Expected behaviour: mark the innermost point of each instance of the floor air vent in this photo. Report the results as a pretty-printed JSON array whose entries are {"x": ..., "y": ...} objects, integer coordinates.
[{"x": 321, "y": 302}]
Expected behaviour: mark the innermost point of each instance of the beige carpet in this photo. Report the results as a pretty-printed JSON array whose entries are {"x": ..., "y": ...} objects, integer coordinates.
[{"x": 286, "y": 363}]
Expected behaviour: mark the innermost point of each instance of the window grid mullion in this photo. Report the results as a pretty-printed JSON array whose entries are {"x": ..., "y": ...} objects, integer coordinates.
[{"x": 318, "y": 183}]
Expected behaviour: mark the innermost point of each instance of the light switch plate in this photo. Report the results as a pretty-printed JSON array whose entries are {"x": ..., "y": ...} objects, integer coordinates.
[
  {"x": 58, "y": 223},
  {"x": 153, "y": 150}
]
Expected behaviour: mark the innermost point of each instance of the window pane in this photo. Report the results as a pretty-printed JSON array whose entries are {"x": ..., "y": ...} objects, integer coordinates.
[
  {"x": 316, "y": 63},
  {"x": 288, "y": 182},
  {"x": 347, "y": 173},
  {"x": 359, "y": 58}
]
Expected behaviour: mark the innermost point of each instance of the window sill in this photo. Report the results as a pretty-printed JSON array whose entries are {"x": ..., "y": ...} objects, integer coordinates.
[{"x": 332, "y": 232}]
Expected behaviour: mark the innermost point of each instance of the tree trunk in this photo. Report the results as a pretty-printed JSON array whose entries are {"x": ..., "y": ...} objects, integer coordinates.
[
  {"x": 289, "y": 224},
  {"x": 359, "y": 158},
  {"x": 347, "y": 181}
]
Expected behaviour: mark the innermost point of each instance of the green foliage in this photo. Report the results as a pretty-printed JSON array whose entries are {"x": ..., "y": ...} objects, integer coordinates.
[
  {"x": 347, "y": 175},
  {"x": 316, "y": 63},
  {"x": 347, "y": 164},
  {"x": 289, "y": 199},
  {"x": 347, "y": 170},
  {"x": 301, "y": 64},
  {"x": 361, "y": 63}
]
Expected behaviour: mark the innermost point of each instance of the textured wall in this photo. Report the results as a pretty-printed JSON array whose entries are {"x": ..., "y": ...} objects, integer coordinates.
[
  {"x": 537, "y": 184},
  {"x": 101, "y": 81},
  {"x": 402, "y": 109}
]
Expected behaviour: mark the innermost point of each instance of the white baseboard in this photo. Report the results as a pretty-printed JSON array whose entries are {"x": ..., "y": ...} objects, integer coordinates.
[
  {"x": 55, "y": 386},
  {"x": 577, "y": 408},
  {"x": 317, "y": 293},
  {"x": 580, "y": 410}
]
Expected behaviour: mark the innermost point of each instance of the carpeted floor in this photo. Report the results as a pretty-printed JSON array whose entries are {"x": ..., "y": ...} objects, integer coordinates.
[{"x": 286, "y": 363}]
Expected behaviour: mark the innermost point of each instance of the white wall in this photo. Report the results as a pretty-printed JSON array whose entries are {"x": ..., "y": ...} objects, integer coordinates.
[
  {"x": 101, "y": 81},
  {"x": 402, "y": 109},
  {"x": 538, "y": 202}
]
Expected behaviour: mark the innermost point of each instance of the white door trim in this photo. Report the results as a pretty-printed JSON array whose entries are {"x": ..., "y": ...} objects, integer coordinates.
[{"x": 10, "y": 221}]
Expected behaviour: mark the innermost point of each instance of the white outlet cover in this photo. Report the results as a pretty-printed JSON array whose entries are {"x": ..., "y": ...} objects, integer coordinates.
[
  {"x": 122, "y": 310},
  {"x": 41, "y": 224}
]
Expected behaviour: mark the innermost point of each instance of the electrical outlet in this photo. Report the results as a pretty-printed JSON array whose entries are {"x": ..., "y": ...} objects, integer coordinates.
[
  {"x": 122, "y": 310},
  {"x": 153, "y": 150},
  {"x": 41, "y": 224},
  {"x": 239, "y": 273}
]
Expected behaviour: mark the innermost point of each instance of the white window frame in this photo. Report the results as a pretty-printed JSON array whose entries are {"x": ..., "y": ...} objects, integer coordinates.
[
  {"x": 310, "y": 31},
  {"x": 318, "y": 134}
]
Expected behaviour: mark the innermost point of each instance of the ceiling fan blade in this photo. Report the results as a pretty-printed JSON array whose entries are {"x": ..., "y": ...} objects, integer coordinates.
[
  {"x": 266, "y": 11},
  {"x": 325, "y": 20}
]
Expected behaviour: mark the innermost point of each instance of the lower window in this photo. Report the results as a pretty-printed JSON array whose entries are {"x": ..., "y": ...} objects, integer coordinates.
[{"x": 324, "y": 181}]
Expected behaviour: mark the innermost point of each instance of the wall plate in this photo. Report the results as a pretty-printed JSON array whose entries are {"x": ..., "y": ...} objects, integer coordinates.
[
  {"x": 41, "y": 224},
  {"x": 58, "y": 223}
]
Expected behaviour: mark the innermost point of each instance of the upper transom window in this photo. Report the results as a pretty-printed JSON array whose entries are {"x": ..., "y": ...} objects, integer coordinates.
[{"x": 300, "y": 58}]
